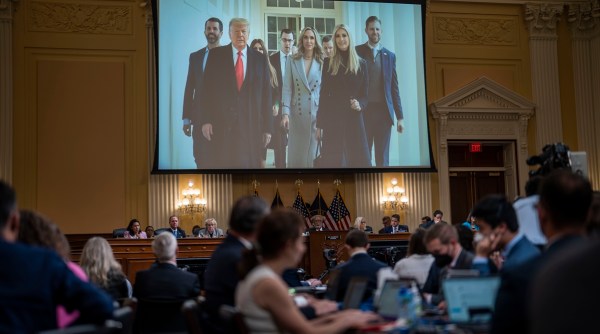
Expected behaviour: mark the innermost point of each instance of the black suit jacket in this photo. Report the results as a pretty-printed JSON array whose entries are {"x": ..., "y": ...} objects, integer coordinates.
[
  {"x": 180, "y": 232},
  {"x": 359, "y": 265},
  {"x": 401, "y": 228},
  {"x": 276, "y": 63},
  {"x": 167, "y": 282},
  {"x": 436, "y": 275},
  {"x": 239, "y": 118},
  {"x": 193, "y": 86}
]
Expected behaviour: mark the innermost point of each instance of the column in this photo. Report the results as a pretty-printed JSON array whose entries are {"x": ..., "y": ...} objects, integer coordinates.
[
  {"x": 418, "y": 190},
  {"x": 162, "y": 198},
  {"x": 585, "y": 30},
  {"x": 218, "y": 191},
  {"x": 6, "y": 91},
  {"x": 541, "y": 20},
  {"x": 369, "y": 188}
]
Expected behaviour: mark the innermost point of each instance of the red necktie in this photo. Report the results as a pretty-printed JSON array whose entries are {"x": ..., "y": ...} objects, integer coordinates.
[{"x": 239, "y": 71}]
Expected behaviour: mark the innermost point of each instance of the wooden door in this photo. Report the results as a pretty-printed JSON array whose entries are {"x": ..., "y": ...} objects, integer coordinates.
[{"x": 466, "y": 188}]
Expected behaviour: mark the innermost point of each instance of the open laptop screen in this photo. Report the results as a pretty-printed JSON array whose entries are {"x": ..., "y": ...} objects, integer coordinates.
[
  {"x": 471, "y": 299},
  {"x": 387, "y": 303}
]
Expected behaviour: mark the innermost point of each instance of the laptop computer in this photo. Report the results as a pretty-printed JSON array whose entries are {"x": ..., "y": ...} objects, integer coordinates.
[
  {"x": 387, "y": 303},
  {"x": 355, "y": 292},
  {"x": 470, "y": 300}
]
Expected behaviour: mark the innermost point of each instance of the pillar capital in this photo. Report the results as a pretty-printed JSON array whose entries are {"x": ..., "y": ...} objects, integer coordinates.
[{"x": 542, "y": 19}]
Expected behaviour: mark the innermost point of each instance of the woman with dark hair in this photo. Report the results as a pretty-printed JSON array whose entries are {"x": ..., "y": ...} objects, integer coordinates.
[
  {"x": 134, "y": 231},
  {"x": 259, "y": 45},
  {"x": 417, "y": 262},
  {"x": 263, "y": 296},
  {"x": 344, "y": 96}
]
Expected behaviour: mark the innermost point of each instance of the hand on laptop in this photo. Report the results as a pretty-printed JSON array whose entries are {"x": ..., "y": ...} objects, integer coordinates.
[
  {"x": 322, "y": 306},
  {"x": 314, "y": 282}
]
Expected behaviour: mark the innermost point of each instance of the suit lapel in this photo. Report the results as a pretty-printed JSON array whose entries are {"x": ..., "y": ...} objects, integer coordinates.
[
  {"x": 385, "y": 63},
  {"x": 299, "y": 66}
]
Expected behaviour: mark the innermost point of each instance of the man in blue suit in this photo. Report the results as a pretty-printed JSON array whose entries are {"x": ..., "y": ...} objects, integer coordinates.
[
  {"x": 498, "y": 224},
  {"x": 395, "y": 226},
  {"x": 213, "y": 30},
  {"x": 34, "y": 281},
  {"x": 384, "y": 96},
  {"x": 360, "y": 264}
]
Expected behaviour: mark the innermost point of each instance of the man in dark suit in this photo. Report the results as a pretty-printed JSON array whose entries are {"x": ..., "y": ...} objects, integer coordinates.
[
  {"x": 565, "y": 198},
  {"x": 221, "y": 276},
  {"x": 175, "y": 229},
  {"x": 386, "y": 221},
  {"x": 384, "y": 96},
  {"x": 213, "y": 30},
  {"x": 164, "y": 280},
  {"x": 34, "y": 281},
  {"x": 443, "y": 243},
  {"x": 236, "y": 106},
  {"x": 360, "y": 264},
  {"x": 317, "y": 224},
  {"x": 279, "y": 60},
  {"x": 437, "y": 218},
  {"x": 498, "y": 224},
  {"x": 395, "y": 226}
]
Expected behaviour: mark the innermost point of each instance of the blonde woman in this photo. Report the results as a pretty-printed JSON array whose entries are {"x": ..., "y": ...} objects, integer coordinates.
[
  {"x": 210, "y": 230},
  {"x": 300, "y": 98},
  {"x": 99, "y": 264},
  {"x": 360, "y": 223},
  {"x": 344, "y": 96}
]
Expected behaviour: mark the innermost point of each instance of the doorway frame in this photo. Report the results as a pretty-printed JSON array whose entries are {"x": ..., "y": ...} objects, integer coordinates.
[{"x": 482, "y": 110}]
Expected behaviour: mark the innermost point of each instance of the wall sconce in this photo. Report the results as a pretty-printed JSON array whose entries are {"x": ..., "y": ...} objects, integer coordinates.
[
  {"x": 191, "y": 201},
  {"x": 395, "y": 198}
]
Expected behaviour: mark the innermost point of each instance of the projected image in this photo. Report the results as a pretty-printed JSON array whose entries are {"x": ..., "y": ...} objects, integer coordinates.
[{"x": 290, "y": 85}]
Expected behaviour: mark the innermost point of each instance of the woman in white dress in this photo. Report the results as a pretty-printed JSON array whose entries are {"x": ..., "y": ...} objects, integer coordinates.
[
  {"x": 301, "y": 89},
  {"x": 262, "y": 296}
]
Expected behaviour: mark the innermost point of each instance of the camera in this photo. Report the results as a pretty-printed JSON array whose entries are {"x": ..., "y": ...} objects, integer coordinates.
[
  {"x": 330, "y": 256},
  {"x": 553, "y": 156}
]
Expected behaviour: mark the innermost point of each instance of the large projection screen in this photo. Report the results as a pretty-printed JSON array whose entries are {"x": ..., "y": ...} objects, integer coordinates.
[{"x": 180, "y": 30}]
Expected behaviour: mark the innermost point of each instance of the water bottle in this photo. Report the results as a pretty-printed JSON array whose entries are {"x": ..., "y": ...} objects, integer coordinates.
[
  {"x": 405, "y": 300},
  {"x": 417, "y": 302}
]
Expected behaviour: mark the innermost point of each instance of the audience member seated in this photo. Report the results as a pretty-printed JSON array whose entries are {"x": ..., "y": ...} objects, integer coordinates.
[
  {"x": 262, "y": 296},
  {"x": 442, "y": 242},
  {"x": 386, "y": 221},
  {"x": 34, "y": 281},
  {"x": 164, "y": 281},
  {"x": 149, "y": 231},
  {"x": 295, "y": 277},
  {"x": 465, "y": 237},
  {"x": 98, "y": 262},
  {"x": 134, "y": 231},
  {"x": 417, "y": 262},
  {"x": 395, "y": 226},
  {"x": 37, "y": 230},
  {"x": 317, "y": 223},
  {"x": 563, "y": 207},
  {"x": 471, "y": 222},
  {"x": 500, "y": 230},
  {"x": 174, "y": 227},
  {"x": 593, "y": 220},
  {"x": 210, "y": 230},
  {"x": 221, "y": 275},
  {"x": 437, "y": 218},
  {"x": 360, "y": 264},
  {"x": 361, "y": 224}
]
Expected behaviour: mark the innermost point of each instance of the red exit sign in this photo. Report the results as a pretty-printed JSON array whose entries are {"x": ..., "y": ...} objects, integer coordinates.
[{"x": 475, "y": 147}]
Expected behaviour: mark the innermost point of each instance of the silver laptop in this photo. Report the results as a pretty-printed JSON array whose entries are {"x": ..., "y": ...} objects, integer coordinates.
[{"x": 470, "y": 300}]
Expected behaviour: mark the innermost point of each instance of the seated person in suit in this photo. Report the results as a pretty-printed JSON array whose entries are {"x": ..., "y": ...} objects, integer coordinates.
[
  {"x": 164, "y": 280},
  {"x": 210, "y": 230},
  {"x": 263, "y": 297},
  {"x": 174, "y": 227},
  {"x": 501, "y": 241},
  {"x": 418, "y": 261},
  {"x": 395, "y": 226},
  {"x": 386, "y": 221},
  {"x": 360, "y": 223},
  {"x": 360, "y": 264},
  {"x": 442, "y": 242},
  {"x": 134, "y": 231},
  {"x": 437, "y": 218},
  {"x": 317, "y": 222},
  {"x": 34, "y": 280}
]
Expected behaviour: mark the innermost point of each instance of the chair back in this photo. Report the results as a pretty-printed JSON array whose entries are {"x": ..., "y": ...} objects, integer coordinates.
[
  {"x": 161, "y": 230},
  {"x": 159, "y": 316},
  {"x": 232, "y": 315},
  {"x": 119, "y": 232},
  {"x": 191, "y": 313}
]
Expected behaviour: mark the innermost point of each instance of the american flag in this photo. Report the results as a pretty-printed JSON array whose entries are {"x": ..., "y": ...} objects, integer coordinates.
[
  {"x": 319, "y": 207},
  {"x": 338, "y": 215},
  {"x": 277, "y": 202},
  {"x": 301, "y": 208}
]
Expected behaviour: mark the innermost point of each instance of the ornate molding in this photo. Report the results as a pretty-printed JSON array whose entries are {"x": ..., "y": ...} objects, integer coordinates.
[
  {"x": 584, "y": 19},
  {"x": 7, "y": 8},
  {"x": 485, "y": 95},
  {"x": 542, "y": 19},
  {"x": 80, "y": 18},
  {"x": 475, "y": 31},
  {"x": 481, "y": 130}
]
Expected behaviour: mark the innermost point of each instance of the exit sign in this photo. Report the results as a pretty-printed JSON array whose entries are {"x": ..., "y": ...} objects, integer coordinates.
[{"x": 475, "y": 147}]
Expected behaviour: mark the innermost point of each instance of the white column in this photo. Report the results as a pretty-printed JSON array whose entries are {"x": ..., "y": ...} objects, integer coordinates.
[
  {"x": 369, "y": 189},
  {"x": 541, "y": 20},
  {"x": 418, "y": 190},
  {"x": 218, "y": 191},
  {"x": 585, "y": 31},
  {"x": 162, "y": 198},
  {"x": 6, "y": 91}
]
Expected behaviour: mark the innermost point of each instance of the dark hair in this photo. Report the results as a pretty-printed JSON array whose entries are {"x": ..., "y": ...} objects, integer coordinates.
[
  {"x": 37, "y": 230},
  {"x": 397, "y": 216},
  {"x": 386, "y": 219},
  {"x": 444, "y": 232},
  {"x": 357, "y": 238},
  {"x": 567, "y": 197},
  {"x": 195, "y": 230},
  {"x": 425, "y": 218},
  {"x": 214, "y": 19},
  {"x": 273, "y": 232},
  {"x": 287, "y": 31},
  {"x": 130, "y": 226},
  {"x": 593, "y": 220},
  {"x": 494, "y": 210},
  {"x": 246, "y": 213},
  {"x": 8, "y": 202},
  {"x": 326, "y": 38},
  {"x": 371, "y": 19},
  {"x": 465, "y": 237},
  {"x": 416, "y": 245},
  {"x": 438, "y": 212},
  {"x": 532, "y": 186}
]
